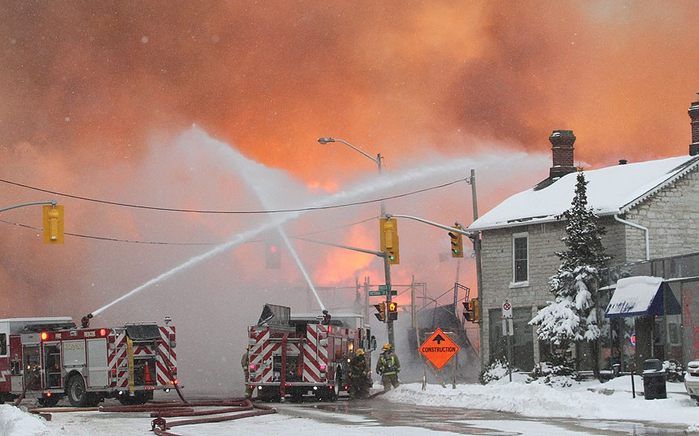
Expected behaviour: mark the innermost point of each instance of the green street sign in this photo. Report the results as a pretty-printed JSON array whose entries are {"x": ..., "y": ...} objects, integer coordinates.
[{"x": 381, "y": 292}]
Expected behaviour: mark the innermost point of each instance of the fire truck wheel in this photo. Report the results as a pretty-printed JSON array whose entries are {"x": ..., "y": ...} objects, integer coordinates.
[{"x": 75, "y": 389}]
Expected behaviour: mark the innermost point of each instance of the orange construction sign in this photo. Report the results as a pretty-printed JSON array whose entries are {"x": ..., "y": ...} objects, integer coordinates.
[{"x": 439, "y": 349}]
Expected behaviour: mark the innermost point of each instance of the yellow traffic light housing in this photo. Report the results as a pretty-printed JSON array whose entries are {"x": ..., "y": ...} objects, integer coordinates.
[
  {"x": 53, "y": 224},
  {"x": 389, "y": 239},
  {"x": 472, "y": 310},
  {"x": 457, "y": 242},
  {"x": 381, "y": 315},
  {"x": 392, "y": 311},
  {"x": 476, "y": 304}
]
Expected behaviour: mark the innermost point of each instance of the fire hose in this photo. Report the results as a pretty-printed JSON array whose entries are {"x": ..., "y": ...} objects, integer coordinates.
[
  {"x": 169, "y": 373},
  {"x": 35, "y": 374},
  {"x": 160, "y": 425}
]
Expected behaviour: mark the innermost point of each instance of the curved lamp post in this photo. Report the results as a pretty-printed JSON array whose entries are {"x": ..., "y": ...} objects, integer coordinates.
[{"x": 387, "y": 265}]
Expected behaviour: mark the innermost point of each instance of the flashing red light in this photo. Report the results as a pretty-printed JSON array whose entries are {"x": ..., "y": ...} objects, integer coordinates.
[
  {"x": 103, "y": 332},
  {"x": 174, "y": 382},
  {"x": 44, "y": 336},
  {"x": 48, "y": 394},
  {"x": 322, "y": 367}
]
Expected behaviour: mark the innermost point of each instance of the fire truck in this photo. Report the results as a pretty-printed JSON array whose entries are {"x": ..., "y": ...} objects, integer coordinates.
[
  {"x": 51, "y": 358},
  {"x": 297, "y": 355}
]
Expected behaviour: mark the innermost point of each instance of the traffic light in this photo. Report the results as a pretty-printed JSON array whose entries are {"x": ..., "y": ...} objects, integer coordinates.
[
  {"x": 472, "y": 310},
  {"x": 468, "y": 310},
  {"x": 389, "y": 240},
  {"x": 457, "y": 243},
  {"x": 53, "y": 224},
  {"x": 476, "y": 304},
  {"x": 392, "y": 311},
  {"x": 273, "y": 256},
  {"x": 381, "y": 307}
]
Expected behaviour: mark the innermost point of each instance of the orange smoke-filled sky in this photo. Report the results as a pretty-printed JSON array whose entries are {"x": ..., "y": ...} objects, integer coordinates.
[{"x": 94, "y": 79}]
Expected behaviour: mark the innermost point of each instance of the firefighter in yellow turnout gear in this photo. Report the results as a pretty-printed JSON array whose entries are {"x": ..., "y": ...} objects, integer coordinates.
[
  {"x": 388, "y": 367},
  {"x": 359, "y": 379}
]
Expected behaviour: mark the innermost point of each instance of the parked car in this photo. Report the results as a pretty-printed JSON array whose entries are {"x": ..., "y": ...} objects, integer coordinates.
[{"x": 691, "y": 379}]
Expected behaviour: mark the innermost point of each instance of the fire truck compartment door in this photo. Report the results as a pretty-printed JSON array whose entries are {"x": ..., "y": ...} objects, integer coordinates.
[
  {"x": 74, "y": 353},
  {"x": 143, "y": 332},
  {"x": 97, "y": 363}
]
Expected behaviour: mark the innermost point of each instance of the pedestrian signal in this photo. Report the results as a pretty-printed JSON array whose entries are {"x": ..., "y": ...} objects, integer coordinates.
[
  {"x": 468, "y": 310},
  {"x": 472, "y": 310},
  {"x": 381, "y": 315},
  {"x": 392, "y": 311}
]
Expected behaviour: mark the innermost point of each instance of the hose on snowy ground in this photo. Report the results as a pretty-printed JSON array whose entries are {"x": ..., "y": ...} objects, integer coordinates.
[{"x": 160, "y": 426}]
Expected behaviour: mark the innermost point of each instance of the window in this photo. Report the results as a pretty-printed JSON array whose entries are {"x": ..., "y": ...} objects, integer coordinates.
[
  {"x": 520, "y": 254},
  {"x": 3, "y": 344}
]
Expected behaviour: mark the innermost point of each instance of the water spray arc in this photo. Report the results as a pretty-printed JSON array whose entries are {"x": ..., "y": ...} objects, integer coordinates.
[
  {"x": 359, "y": 191},
  {"x": 250, "y": 180}
]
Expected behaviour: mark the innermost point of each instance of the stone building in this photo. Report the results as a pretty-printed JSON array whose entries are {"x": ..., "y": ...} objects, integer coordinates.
[{"x": 649, "y": 210}]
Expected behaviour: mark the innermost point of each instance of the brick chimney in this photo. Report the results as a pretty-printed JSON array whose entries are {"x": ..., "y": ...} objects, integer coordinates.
[
  {"x": 562, "y": 147},
  {"x": 694, "y": 115}
]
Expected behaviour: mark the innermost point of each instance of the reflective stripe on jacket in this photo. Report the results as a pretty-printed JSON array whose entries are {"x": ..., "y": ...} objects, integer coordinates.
[{"x": 388, "y": 365}]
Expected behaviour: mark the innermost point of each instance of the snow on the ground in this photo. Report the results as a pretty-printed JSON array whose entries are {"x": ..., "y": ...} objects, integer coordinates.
[{"x": 612, "y": 400}]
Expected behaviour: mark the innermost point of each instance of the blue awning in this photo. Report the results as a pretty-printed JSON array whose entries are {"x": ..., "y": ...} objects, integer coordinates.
[{"x": 636, "y": 296}]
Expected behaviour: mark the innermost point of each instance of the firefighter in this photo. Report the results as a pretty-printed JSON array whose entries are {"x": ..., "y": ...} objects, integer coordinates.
[
  {"x": 245, "y": 363},
  {"x": 326, "y": 318},
  {"x": 358, "y": 378},
  {"x": 388, "y": 367}
]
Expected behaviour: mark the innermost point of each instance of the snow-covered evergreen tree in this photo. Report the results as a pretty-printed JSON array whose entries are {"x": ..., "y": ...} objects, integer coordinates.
[{"x": 572, "y": 315}]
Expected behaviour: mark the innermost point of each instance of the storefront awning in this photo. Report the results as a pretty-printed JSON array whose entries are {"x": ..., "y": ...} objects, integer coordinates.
[{"x": 636, "y": 296}]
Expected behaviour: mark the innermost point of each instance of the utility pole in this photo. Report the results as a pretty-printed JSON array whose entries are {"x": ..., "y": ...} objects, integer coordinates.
[{"x": 476, "y": 239}]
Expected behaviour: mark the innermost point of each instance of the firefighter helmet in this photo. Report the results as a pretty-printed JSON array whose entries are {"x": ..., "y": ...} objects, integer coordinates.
[
  {"x": 360, "y": 352},
  {"x": 386, "y": 347}
]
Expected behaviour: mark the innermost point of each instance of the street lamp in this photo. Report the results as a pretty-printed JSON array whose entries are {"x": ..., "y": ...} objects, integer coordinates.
[
  {"x": 376, "y": 159},
  {"x": 386, "y": 264}
]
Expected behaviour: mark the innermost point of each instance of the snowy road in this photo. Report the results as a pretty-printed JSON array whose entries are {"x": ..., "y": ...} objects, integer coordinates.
[
  {"x": 500, "y": 409},
  {"x": 366, "y": 418},
  {"x": 378, "y": 412}
]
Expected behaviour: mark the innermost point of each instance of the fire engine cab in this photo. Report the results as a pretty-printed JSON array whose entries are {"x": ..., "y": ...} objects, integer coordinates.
[
  {"x": 301, "y": 354},
  {"x": 51, "y": 358}
]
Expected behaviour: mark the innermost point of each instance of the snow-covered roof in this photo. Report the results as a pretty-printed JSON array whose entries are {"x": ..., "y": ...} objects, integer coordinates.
[{"x": 611, "y": 190}]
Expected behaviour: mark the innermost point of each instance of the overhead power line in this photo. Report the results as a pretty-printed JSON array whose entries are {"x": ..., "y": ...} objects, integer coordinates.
[
  {"x": 135, "y": 241},
  {"x": 229, "y": 212}
]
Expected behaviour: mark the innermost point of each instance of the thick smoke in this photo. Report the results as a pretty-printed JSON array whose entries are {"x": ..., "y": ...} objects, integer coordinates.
[{"x": 99, "y": 99}]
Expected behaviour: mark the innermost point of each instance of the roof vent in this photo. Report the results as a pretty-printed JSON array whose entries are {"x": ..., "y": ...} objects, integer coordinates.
[{"x": 622, "y": 161}]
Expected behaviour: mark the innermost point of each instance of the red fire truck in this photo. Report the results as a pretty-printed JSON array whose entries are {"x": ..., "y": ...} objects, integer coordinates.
[
  {"x": 297, "y": 355},
  {"x": 51, "y": 358}
]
